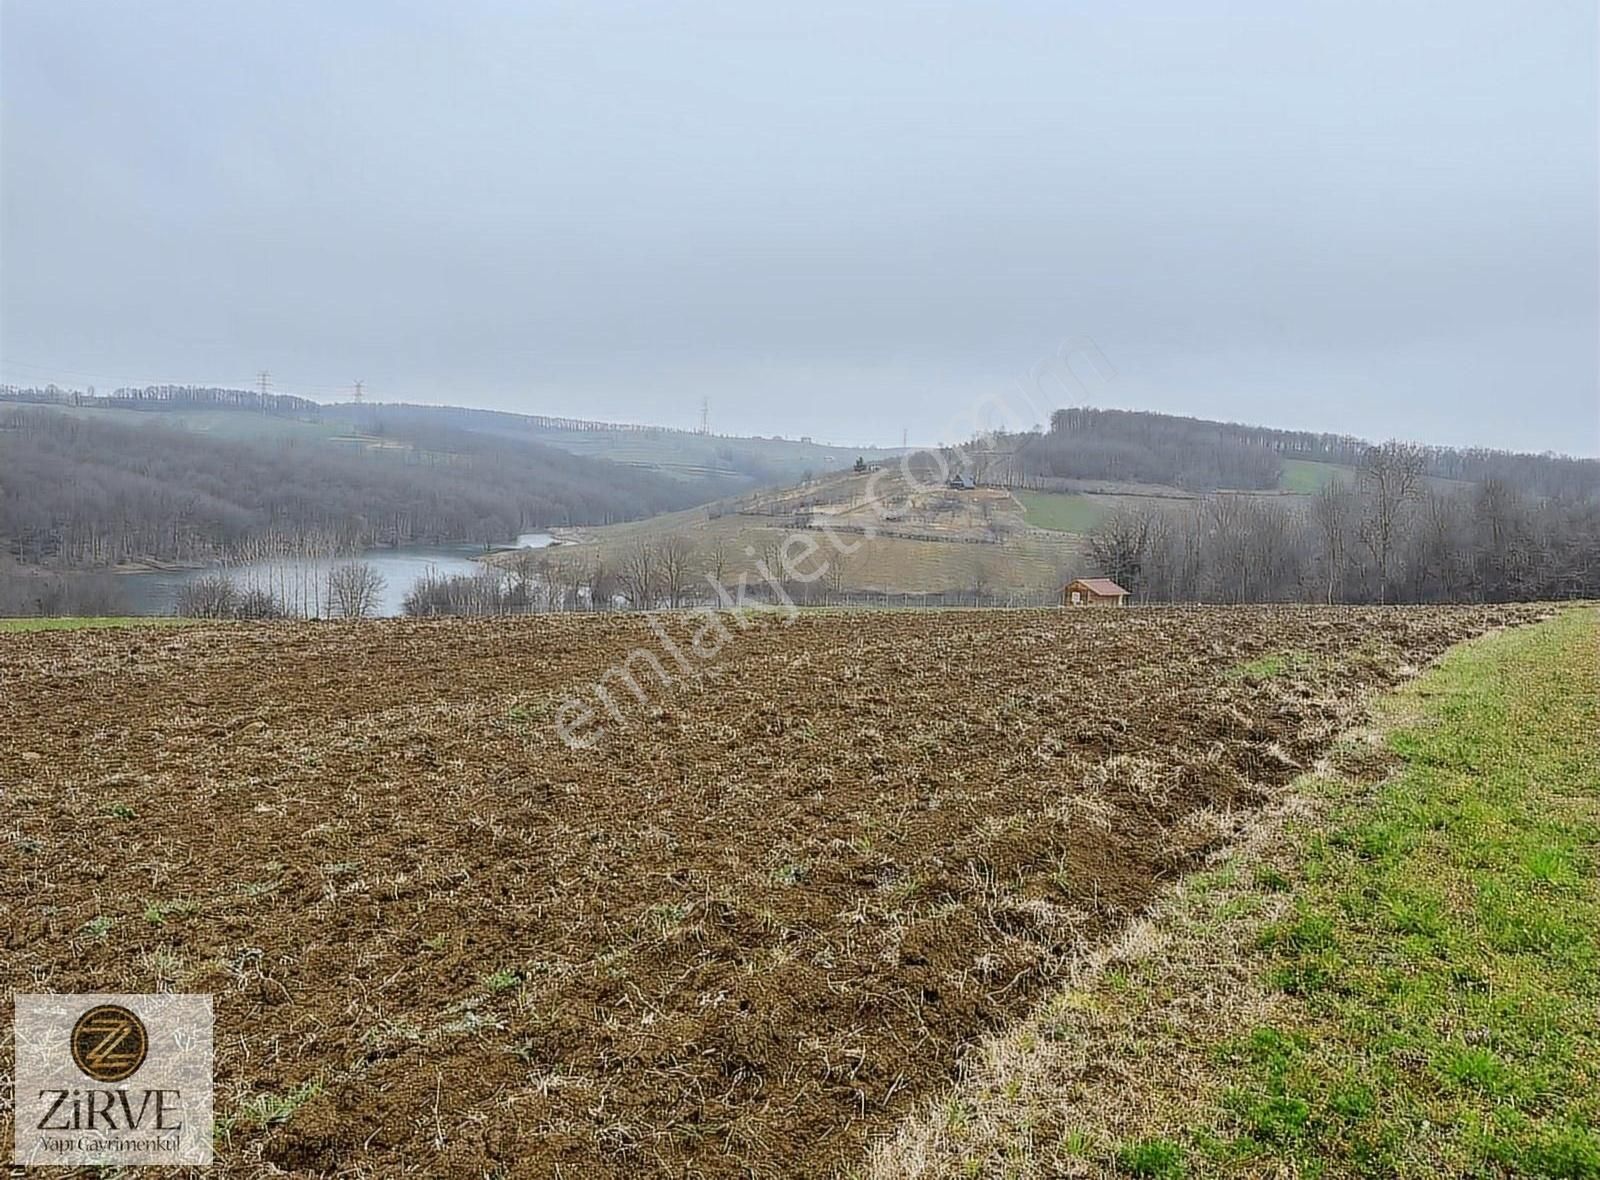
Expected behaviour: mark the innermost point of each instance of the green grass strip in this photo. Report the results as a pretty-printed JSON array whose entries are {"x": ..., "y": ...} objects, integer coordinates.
[
  {"x": 1441, "y": 957},
  {"x": 82, "y": 622},
  {"x": 1061, "y": 512}
]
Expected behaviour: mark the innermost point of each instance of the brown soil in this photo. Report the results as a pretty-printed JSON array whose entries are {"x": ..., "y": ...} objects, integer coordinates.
[{"x": 735, "y": 937}]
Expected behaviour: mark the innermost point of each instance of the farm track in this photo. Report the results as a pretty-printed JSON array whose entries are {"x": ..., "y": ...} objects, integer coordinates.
[{"x": 736, "y": 937}]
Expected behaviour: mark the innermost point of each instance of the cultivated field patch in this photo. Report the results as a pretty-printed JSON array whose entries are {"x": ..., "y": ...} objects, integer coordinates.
[
  {"x": 1393, "y": 974},
  {"x": 751, "y": 924}
]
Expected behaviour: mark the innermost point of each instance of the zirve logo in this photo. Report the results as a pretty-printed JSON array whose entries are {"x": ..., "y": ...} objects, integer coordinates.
[
  {"x": 109, "y": 1043},
  {"x": 112, "y": 1079}
]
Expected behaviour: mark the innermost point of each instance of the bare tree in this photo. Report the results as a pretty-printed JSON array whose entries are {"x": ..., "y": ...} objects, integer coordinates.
[
  {"x": 1227, "y": 527},
  {"x": 486, "y": 592},
  {"x": 833, "y": 577},
  {"x": 1391, "y": 477},
  {"x": 211, "y": 596},
  {"x": 355, "y": 590},
  {"x": 772, "y": 555},
  {"x": 640, "y": 575},
  {"x": 675, "y": 559},
  {"x": 1501, "y": 559},
  {"x": 717, "y": 560},
  {"x": 1331, "y": 511},
  {"x": 1118, "y": 545},
  {"x": 602, "y": 579},
  {"x": 258, "y": 604},
  {"x": 1273, "y": 530},
  {"x": 982, "y": 578},
  {"x": 525, "y": 568}
]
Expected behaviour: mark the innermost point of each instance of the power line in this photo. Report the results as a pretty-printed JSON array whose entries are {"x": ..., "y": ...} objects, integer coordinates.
[{"x": 358, "y": 392}]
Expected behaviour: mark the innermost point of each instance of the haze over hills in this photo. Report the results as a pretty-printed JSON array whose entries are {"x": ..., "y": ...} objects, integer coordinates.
[
  {"x": 189, "y": 475},
  {"x": 1081, "y": 443}
]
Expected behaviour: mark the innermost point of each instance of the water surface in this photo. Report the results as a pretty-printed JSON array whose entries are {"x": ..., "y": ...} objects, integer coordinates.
[{"x": 303, "y": 582}]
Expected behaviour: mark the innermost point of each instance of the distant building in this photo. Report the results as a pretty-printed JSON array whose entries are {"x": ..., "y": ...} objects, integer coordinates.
[{"x": 1093, "y": 592}]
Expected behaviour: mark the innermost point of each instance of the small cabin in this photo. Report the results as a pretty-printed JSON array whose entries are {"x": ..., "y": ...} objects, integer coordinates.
[{"x": 1093, "y": 592}]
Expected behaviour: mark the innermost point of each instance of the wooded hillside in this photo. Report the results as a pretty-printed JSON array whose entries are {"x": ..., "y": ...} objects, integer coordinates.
[
  {"x": 1201, "y": 455},
  {"x": 85, "y": 491}
]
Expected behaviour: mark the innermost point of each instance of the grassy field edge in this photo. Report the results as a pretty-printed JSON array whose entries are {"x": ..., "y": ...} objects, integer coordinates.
[
  {"x": 1397, "y": 973},
  {"x": 88, "y": 622}
]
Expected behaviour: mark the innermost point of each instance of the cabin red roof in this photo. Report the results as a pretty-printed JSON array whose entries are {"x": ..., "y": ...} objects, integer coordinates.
[{"x": 1102, "y": 586}]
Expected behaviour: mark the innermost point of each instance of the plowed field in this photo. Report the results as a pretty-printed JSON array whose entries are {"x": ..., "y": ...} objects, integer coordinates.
[{"x": 738, "y": 934}]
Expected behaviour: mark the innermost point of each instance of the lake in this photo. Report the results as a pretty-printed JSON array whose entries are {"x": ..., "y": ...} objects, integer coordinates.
[{"x": 155, "y": 592}]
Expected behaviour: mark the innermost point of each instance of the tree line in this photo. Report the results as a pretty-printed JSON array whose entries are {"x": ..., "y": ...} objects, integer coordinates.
[
  {"x": 1388, "y": 536},
  {"x": 161, "y": 397},
  {"x": 347, "y": 590},
  {"x": 1196, "y": 454}
]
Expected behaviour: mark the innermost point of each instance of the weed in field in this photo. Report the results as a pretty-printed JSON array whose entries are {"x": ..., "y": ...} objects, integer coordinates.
[
  {"x": 957, "y": 1116},
  {"x": 265, "y": 1110},
  {"x": 267, "y": 885},
  {"x": 1158, "y": 1159},
  {"x": 791, "y": 874},
  {"x": 1478, "y": 1069},
  {"x": 1553, "y": 866},
  {"x": 502, "y": 980},
  {"x": 157, "y": 912},
  {"x": 473, "y": 1021},
  {"x": 98, "y": 927},
  {"x": 1270, "y": 879},
  {"x": 392, "y": 1032},
  {"x": 902, "y": 889},
  {"x": 165, "y": 966},
  {"x": 121, "y": 811},
  {"x": 1076, "y": 1144},
  {"x": 666, "y": 918},
  {"x": 524, "y": 719},
  {"x": 1276, "y": 664}
]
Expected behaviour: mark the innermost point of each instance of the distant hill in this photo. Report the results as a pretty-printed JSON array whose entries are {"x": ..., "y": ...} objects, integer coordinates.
[
  {"x": 684, "y": 454},
  {"x": 969, "y": 545},
  {"x": 85, "y": 486},
  {"x": 1200, "y": 455},
  {"x": 721, "y": 462},
  {"x": 1084, "y": 448}
]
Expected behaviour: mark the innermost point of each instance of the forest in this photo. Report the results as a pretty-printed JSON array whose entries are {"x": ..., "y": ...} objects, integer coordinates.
[
  {"x": 1388, "y": 536},
  {"x": 1197, "y": 454},
  {"x": 81, "y": 492}
]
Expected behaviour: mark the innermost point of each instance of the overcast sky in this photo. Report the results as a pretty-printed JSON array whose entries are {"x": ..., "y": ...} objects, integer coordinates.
[{"x": 841, "y": 220}]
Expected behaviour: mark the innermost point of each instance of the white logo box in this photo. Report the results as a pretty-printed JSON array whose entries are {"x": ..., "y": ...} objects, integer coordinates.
[{"x": 159, "y": 1114}]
